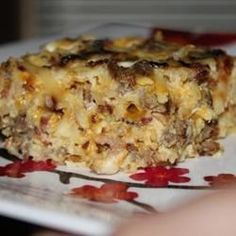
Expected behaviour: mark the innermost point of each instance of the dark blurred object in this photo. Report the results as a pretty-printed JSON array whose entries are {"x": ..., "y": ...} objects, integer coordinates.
[
  {"x": 11, "y": 227},
  {"x": 9, "y": 21},
  {"x": 17, "y": 20},
  {"x": 200, "y": 39}
]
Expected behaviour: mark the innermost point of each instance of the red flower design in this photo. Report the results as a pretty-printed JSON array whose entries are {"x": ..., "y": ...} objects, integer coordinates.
[
  {"x": 161, "y": 176},
  {"x": 107, "y": 193},
  {"x": 19, "y": 168},
  {"x": 221, "y": 180}
]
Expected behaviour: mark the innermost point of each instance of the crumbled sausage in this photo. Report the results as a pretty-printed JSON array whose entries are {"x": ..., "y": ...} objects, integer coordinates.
[
  {"x": 208, "y": 147},
  {"x": 201, "y": 72},
  {"x": 169, "y": 139},
  {"x": 102, "y": 147},
  {"x": 211, "y": 130},
  {"x": 178, "y": 133},
  {"x": 124, "y": 75},
  {"x": 85, "y": 145},
  {"x": 130, "y": 147},
  {"x": 94, "y": 118},
  {"x": 105, "y": 108}
]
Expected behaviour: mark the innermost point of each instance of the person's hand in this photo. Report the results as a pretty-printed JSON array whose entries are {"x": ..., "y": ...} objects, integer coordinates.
[{"x": 211, "y": 215}]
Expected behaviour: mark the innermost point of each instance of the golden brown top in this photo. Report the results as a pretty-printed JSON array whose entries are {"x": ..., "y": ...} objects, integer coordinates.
[{"x": 117, "y": 100}]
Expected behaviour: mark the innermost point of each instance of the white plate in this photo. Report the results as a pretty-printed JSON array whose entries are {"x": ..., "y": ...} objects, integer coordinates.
[{"x": 43, "y": 197}]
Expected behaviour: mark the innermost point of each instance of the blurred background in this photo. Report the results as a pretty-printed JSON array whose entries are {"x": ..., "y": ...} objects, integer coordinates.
[{"x": 21, "y": 19}]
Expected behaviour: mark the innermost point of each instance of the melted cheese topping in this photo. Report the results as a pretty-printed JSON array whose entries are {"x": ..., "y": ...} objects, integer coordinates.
[{"x": 116, "y": 105}]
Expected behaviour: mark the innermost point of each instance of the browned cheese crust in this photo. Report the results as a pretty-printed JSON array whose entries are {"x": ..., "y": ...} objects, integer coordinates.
[{"x": 117, "y": 104}]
